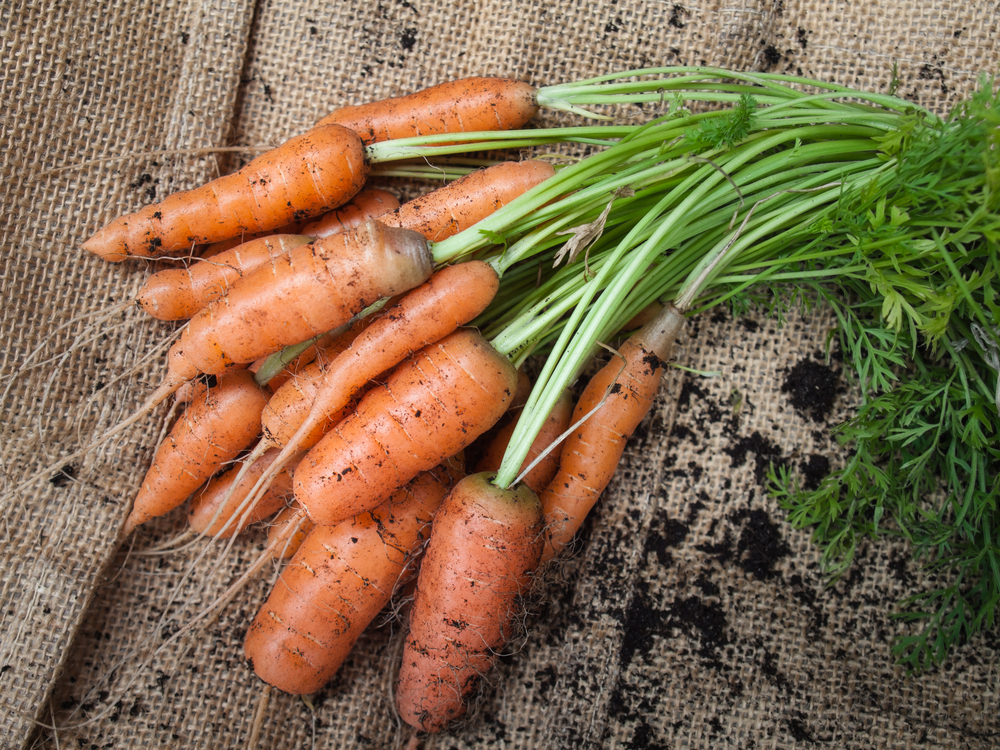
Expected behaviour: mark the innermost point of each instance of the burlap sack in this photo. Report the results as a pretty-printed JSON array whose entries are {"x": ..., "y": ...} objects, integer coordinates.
[{"x": 691, "y": 616}]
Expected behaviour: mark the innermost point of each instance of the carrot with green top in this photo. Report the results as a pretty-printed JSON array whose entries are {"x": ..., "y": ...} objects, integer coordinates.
[
  {"x": 485, "y": 544},
  {"x": 303, "y": 177},
  {"x": 461, "y": 106},
  {"x": 613, "y": 404},
  {"x": 432, "y": 405}
]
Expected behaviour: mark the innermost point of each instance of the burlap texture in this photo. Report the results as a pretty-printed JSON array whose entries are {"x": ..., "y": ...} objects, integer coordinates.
[{"x": 692, "y": 615}]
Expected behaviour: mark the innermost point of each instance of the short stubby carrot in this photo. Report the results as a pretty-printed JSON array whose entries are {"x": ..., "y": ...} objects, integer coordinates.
[
  {"x": 458, "y": 205},
  {"x": 484, "y": 545},
  {"x": 591, "y": 453},
  {"x": 431, "y": 406},
  {"x": 462, "y": 106},
  {"x": 216, "y": 508},
  {"x": 303, "y": 177},
  {"x": 311, "y": 290},
  {"x": 545, "y": 470},
  {"x": 178, "y": 293},
  {"x": 340, "y": 578},
  {"x": 214, "y": 429}
]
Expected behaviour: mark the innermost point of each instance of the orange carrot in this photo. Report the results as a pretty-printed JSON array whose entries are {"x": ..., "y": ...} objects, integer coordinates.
[
  {"x": 542, "y": 473},
  {"x": 460, "y": 204},
  {"x": 303, "y": 177},
  {"x": 213, "y": 430},
  {"x": 178, "y": 293},
  {"x": 208, "y": 514},
  {"x": 312, "y": 289},
  {"x": 278, "y": 529},
  {"x": 453, "y": 296},
  {"x": 484, "y": 545},
  {"x": 591, "y": 453},
  {"x": 432, "y": 405},
  {"x": 338, "y": 581},
  {"x": 368, "y": 204},
  {"x": 462, "y": 106}
]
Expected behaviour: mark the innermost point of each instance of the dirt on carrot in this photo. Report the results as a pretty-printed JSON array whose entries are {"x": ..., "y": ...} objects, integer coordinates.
[
  {"x": 484, "y": 545},
  {"x": 462, "y": 106},
  {"x": 303, "y": 177}
]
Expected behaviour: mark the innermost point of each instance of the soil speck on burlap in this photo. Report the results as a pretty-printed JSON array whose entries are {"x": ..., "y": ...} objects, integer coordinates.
[{"x": 812, "y": 388}]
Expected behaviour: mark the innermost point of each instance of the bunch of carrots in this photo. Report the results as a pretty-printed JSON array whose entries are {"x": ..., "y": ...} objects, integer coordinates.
[{"x": 344, "y": 355}]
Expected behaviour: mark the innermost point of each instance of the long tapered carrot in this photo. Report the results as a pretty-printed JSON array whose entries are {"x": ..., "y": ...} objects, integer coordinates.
[
  {"x": 340, "y": 578},
  {"x": 460, "y": 204},
  {"x": 431, "y": 406},
  {"x": 305, "y": 176},
  {"x": 212, "y": 430},
  {"x": 462, "y": 106},
  {"x": 627, "y": 386},
  {"x": 484, "y": 544},
  {"x": 453, "y": 296}
]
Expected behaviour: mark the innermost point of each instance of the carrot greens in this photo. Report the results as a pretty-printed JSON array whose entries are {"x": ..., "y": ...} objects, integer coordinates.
[{"x": 864, "y": 202}]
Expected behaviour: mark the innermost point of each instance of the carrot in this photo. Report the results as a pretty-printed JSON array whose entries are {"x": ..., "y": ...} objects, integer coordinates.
[
  {"x": 213, "y": 430},
  {"x": 219, "y": 501},
  {"x": 312, "y": 289},
  {"x": 338, "y": 581},
  {"x": 462, "y": 106},
  {"x": 543, "y": 472},
  {"x": 178, "y": 293},
  {"x": 591, "y": 453},
  {"x": 460, "y": 204},
  {"x": 304, "y": 176},
  {"x": 277, "y": 529},
  {"x": 484, "y": 544},
  {"x": 368, "y": 204},
  {"x": 431, "y": 406},
  {"x": 453, "y": 296}
]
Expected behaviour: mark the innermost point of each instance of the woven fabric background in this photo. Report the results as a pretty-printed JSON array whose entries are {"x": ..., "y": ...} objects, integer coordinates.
[{"x": 692, "y": 615}]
